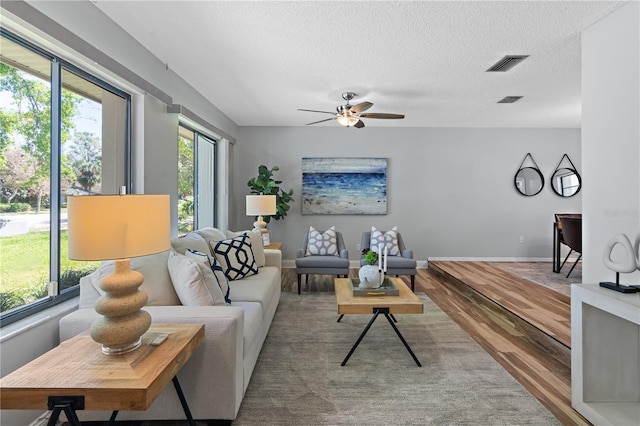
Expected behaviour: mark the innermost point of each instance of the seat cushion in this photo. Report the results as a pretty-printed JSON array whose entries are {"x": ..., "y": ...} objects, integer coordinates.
[
  {"x": 257, "y": 288},
  {"x": 321, "y": 262}
]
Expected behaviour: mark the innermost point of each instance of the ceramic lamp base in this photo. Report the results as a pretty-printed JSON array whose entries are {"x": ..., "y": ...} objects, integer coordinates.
[{"x": 122, "y": 323}]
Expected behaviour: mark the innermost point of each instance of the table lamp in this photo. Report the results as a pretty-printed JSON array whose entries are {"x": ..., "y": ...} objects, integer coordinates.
[
  {"x": 259, "y": 205},
  {"x": 118, "y": 227}
]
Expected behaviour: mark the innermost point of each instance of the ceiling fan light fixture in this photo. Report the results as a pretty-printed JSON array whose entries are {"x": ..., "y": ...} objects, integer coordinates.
[{"x": 346, "y": 119}]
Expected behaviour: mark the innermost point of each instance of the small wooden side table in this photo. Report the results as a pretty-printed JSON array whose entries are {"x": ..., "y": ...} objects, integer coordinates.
[
  {"x": 274, "y": 246},
  {"x": 76, "y": 375}
]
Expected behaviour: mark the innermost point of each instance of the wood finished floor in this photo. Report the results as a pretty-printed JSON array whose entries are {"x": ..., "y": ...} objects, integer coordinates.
[{"x": 542, "y": 364}]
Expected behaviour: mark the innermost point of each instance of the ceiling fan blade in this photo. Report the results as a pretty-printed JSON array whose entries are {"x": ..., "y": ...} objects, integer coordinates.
[
  {"x": 313, "y": 110},
  {"x": 359, "y": 124},
  {"x": 321, "y": 121},
  {"x": 381, "y": 115},
  {"x": 362, "y": 106}
]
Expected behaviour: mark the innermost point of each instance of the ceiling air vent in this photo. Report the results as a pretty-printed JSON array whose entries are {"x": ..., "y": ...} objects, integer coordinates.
[
  {"x": 506, "y": 63},
  {"x": 509, "y": 99}
]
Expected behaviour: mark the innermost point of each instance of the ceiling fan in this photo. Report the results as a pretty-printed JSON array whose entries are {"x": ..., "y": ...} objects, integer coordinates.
[{"x": 350, "y": 115}]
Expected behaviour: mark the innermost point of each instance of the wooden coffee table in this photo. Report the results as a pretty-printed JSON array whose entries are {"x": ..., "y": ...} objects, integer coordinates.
[
  {"x": 405, "y": 303},
  {"x": 76, "y": 375}
]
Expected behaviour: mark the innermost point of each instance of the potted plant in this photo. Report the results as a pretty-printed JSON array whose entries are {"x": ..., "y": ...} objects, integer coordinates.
[
  {"x": 369, "y": 274},
  {"x": 265, "y": 184}
]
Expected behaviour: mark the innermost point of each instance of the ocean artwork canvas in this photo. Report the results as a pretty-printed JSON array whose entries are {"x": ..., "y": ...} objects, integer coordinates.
[{"x": 344, "y": 185}]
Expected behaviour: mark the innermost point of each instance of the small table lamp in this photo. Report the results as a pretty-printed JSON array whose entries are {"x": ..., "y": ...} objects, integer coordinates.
[
  {"x": 258, "y": 205},
  {"x": 118, "y": 227}
]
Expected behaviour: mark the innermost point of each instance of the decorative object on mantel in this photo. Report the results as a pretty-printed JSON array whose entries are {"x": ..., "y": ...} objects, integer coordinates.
[
  {"x": 344, "y": 185},
  {"x": 105, "y": 227},
  {"x": 628, "y": 265},
  {"x": 528, "y": 180},
  {"x": 566, "y": 181}
]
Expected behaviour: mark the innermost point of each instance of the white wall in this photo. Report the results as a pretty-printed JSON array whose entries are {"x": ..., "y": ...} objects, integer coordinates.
[
  {"x": 610, "y": 136},
  {"x": 450, "y": 191}
]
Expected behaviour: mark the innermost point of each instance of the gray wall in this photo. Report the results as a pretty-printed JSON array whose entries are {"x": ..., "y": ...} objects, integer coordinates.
[
  {"x": 611, "y": 137},
  {"x": 450, "y": 191}
]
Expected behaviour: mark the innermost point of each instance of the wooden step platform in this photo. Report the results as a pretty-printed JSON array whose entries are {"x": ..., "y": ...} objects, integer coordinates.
[
  {"x": 543, "y": 308},
  {"x": 524, "y": 326}
]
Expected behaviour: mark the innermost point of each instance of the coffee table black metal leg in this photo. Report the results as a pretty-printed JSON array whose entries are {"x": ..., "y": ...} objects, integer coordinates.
[
  {"x": 406, "y": 345},
  {"x": 183, "y": 401},
  {"x": 340, "y": 317},
  {"x": 364, "y": 332}
]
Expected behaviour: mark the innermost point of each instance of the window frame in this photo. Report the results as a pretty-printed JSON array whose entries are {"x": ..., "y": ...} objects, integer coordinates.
[
  {"x": 197, "y": 134},
  {"x": 57, "y": 66}
]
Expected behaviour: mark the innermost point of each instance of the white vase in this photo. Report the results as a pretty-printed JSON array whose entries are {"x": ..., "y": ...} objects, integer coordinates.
[{"x": 369, "y": 276}]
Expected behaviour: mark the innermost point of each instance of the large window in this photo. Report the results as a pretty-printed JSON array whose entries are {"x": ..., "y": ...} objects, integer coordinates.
[
  {"x": 196, "y": 180},
  {"x": 62, "y": 132}
]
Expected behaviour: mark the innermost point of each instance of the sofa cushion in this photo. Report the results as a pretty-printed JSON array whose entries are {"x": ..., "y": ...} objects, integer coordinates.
[
  {"x": 235, "y": 257},
  {"x": 256, "y": 245},
  {"x": 221, "y": 278},
  {"x": 210, "y": 234},
  {"x": 157, "y": 281},
  {"x": 193, "y": 241},
  {"x": 194, "y": 281},
  {"x": 387, "y": 239},
  {"x": 322, "y": 244},
  {"x": 261, "y": 288}
]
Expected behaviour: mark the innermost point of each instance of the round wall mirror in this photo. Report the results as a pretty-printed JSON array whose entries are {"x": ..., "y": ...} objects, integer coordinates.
[
  {"x": 566, "y": 182},
  {"x": 529, "y": 181}
]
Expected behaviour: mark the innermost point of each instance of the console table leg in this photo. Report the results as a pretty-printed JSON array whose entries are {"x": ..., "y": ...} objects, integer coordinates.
[{"x": 183, "y": 401}]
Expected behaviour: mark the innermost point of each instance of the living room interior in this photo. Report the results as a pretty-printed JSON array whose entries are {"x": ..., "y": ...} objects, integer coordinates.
[{"x": 451, "y": 160}]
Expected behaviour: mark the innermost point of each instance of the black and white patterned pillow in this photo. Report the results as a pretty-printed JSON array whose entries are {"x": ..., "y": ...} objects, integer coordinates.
[
  {"x": 325, "y": 244},
  {"x": 387, "y": 239},
  {"x": 223, "y": 283},
  {"x": 235, "y": 257}
]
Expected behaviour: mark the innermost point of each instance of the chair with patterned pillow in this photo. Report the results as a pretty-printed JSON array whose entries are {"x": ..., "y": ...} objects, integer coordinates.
[
  {"x": 400, "y": 259},
  {"x": 322, "y": 253}
]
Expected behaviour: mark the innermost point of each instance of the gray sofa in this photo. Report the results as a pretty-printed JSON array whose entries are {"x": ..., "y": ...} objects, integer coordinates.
[{"x": 215, "y": 379}]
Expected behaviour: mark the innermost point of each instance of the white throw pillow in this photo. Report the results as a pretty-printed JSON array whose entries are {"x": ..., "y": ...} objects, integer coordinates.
[
  {"x": 223, "y": 283},
  {"x": 194, "y": 281},
  {"x": 256, "y": 245},
  {"x": 387, "y": 239},
  {"x": 325, "y": 244},
  {"x": 192, "y": 240},
  {"x": 157, "y": 282},
  {"x": 235, "y": 257}
]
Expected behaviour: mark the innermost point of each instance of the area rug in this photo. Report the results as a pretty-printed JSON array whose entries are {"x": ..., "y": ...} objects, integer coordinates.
[{"x": 298, "y": 379}]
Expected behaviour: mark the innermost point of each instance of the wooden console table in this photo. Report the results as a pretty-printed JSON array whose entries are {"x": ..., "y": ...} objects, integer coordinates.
[{"x": 76, "y": 375}]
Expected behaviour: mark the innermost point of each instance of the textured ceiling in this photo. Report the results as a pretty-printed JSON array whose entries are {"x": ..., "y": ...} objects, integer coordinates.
[{"x": 258, "y": 62}]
